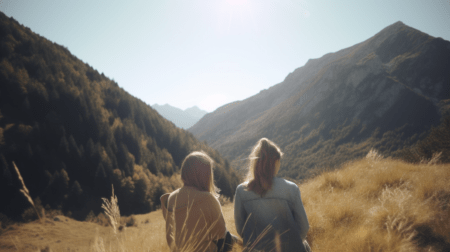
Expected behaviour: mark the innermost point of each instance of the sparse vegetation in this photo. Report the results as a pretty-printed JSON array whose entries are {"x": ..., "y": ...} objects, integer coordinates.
[{"x": 435, "y": 147}]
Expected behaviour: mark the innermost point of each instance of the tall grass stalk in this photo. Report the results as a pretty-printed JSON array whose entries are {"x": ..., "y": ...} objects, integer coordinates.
[
  {"x": 435, "y": 158},
  {"x": 112, "y": 210},
  {"x": 25, "y": 191}
]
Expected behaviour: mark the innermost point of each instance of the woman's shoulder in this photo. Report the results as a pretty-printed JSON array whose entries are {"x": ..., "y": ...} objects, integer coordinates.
[
  {"x": 208, "y": 201},
  {"x": 242, "y": 187},
  {"x": 186, "y": 195},
  {"x": 198, "y": 195},
  {"x": 174, "y": 193},
  {"x": 285, "y": 183},
  {"x": 207, "y": 196},
  {"x": 195, "y": 193}
]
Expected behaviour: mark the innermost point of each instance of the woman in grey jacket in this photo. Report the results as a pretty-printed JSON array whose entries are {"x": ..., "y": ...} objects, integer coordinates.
[{"x": 268, "y": 211}]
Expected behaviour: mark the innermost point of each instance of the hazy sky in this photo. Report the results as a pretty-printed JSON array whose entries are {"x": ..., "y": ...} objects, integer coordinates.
[{"x": 211, "y": 52}]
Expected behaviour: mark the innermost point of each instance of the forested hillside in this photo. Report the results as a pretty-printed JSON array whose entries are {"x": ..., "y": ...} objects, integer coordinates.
[{"x": 73, "y": 132}]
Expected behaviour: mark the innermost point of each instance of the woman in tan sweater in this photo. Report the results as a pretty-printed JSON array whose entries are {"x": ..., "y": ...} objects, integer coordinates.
[{"x": 194, "y": 219}]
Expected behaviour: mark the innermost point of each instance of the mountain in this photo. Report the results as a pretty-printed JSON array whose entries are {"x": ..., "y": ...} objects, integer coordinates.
[
  {"x": 183, "y": 119},
  {"x": 72, "y": 132},
  {"x": 382, "y": 93},
  {"x": 196, "y": 112}
]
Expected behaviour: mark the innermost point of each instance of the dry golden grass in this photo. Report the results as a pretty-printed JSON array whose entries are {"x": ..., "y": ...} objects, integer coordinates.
[
  {"x": 71, "y": 235},
  {"x": 377, "y": 204},
  {"x": 373, "y": 204},
  {"x": 111, "y": 209},
  {"x": 25, "y": 191}
]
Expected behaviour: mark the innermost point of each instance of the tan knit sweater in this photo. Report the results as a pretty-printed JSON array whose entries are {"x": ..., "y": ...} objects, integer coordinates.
[{"x": 194, "y": 220}]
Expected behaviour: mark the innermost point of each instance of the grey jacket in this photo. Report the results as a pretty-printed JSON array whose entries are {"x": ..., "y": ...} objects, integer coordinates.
[{"x": 279, "y": 213}]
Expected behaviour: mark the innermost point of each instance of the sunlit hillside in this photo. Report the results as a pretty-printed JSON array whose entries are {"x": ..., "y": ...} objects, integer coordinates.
[
  {"x": 372, "y": 204},
  {"x": 385, "y": 93}
]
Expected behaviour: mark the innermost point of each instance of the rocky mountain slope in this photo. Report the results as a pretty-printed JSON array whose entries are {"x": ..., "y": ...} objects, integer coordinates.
[
  {"x": 181, "y": 118},
  {"x": 381, "y": 93}
]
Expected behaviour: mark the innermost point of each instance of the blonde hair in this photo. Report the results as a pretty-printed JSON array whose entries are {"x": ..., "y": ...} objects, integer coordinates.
[
  {"x": 262, "y": 166},
  {"x": 197, "y": 171}
]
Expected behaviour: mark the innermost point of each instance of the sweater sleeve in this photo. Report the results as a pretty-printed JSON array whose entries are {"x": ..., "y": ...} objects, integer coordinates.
[
  {"x": 299, "y": 213},
  {"x": 216, "y": 220},
  {"x": 240, "y": 216}
]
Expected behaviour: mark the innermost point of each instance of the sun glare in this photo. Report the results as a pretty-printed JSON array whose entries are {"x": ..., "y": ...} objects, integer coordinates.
[
  {"x": 237, "y": 15},
  {"x": 236, "y": 2}
]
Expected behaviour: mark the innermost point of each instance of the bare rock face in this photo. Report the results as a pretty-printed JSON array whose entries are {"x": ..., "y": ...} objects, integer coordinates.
[{"x": 392, "y": 82}]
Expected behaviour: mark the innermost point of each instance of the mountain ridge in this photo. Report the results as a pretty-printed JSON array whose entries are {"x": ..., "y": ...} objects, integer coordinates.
[{"x": 360, "y": 87}]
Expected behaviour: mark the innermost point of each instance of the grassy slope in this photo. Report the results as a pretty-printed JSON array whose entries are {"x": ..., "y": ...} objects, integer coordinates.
[
  {"x": 372, "y": 204},
  {"x": 380, "y": 205}
]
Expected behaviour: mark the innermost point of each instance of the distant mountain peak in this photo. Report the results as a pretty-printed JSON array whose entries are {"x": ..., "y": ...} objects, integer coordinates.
[
  {"x": 181, "y": 118},
  {"x": 193, "y": 108},
  {"x": 393, "y": 27},
  {"x": 164, "y": 105}
]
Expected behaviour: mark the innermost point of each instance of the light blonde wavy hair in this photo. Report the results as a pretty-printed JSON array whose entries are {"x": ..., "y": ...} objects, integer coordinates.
[{"x": 263, "y": 166}]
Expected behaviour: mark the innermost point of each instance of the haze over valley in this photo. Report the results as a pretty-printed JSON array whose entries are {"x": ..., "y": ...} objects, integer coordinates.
[{"x": 181, "y": 118}]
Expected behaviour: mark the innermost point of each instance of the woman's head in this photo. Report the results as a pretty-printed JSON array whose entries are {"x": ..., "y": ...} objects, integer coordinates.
[
  {"x": 264, "y": 165},
  {"x": 197, "y": 171}
]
